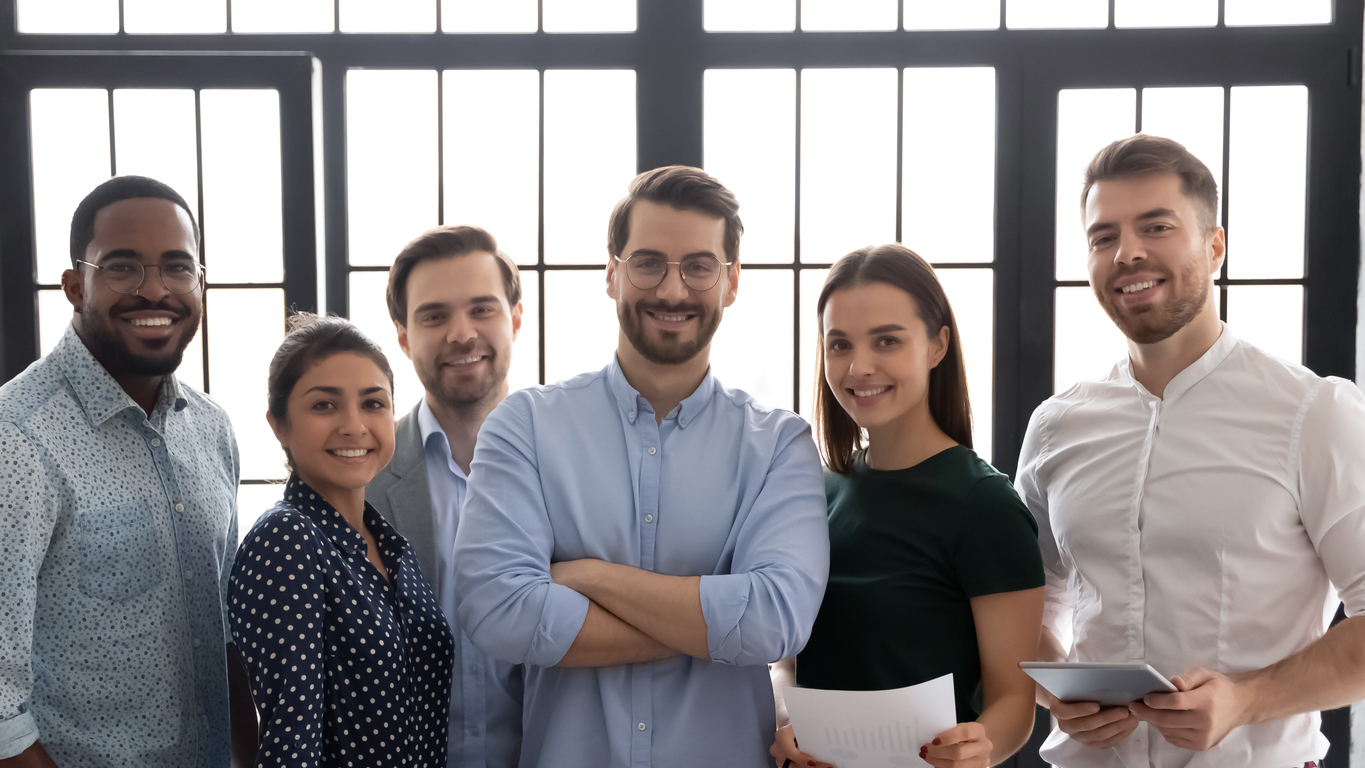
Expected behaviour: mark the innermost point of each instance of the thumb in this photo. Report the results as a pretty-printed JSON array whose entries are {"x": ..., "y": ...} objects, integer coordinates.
[{"x": 1192, "y": 679}]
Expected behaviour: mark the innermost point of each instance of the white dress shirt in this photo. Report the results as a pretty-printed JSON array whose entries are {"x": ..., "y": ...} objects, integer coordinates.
[{"x": 1204, "y": 528}]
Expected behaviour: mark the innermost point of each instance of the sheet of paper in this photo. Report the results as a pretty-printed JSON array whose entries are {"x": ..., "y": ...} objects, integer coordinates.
[{"x": 871, "y": 729}]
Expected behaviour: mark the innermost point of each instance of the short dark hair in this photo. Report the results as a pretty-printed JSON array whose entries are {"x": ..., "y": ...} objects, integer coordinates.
[
  {"x": 444, "y": 243},
  {"x": 112, "y": 191},
  {"x": 1143, "y": 155},
  {"x": 684, "y": 188}
]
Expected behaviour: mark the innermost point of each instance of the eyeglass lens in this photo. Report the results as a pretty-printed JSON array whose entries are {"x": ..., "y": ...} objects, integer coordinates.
[
  {"x": 126, "y": 275},
  {"x": 699, "y": 272}
]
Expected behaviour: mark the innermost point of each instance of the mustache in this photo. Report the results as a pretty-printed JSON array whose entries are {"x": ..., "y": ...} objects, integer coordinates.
[
  {"x": 135, "y": 303},
  {"x": 1128, "y": 271},
  {"x": 664, "y": 308}
]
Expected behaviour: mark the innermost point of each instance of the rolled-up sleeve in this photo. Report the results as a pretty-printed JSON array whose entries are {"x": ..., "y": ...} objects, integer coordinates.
[
  {"x": 28, "y": 512},
  {"x": 763, "y": 610},
  {"x": 1332, "y": 486},
  {"x": 507, "y": 604},
  {"x": 1057, "y": 605}
]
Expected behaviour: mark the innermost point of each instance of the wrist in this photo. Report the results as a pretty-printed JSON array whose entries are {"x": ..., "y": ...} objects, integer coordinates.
[{"x": 1253, "y": 693}]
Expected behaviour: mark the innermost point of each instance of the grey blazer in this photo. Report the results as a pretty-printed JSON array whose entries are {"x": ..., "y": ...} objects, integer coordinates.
[{"x": 399, "y": 493}]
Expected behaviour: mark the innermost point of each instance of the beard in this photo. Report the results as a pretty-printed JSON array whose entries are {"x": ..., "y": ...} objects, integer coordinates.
[
  {"x": 668, "y": 350},
  {"x": 460, "y": 393},
  {"x": 115, "y": 354},
  {"x": 1153, "y": 323}
]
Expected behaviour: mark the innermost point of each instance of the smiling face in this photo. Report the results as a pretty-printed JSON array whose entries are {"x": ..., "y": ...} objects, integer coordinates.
[
  {"x": 339, "y": 426},
  {"x": 878, "y": 353},
  {"x": 460, "y": 329},
  {"x": 1151, "y": 258},
  {"x": 671, "y": 324},
  {"x": 143, "y": 333}
]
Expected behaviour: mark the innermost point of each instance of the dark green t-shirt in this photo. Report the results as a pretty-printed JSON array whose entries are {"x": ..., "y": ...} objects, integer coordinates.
[{"x": 908, "y": 549}]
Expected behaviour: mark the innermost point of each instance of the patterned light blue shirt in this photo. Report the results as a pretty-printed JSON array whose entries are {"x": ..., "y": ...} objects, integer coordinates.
[
  {"x": 724, "y": 489},
  {"x": 116, "y": 535}
]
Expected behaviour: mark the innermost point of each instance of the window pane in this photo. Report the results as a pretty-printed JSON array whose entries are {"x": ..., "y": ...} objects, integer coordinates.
[
  {"x": 252, "y": 502},
  {"x": 68, "y": 16},
  {"x": 1087, "y": 120},
  {"x": 243, "y": 229},
  {"x": 852, "y": 15},
  {"x": 1270, "y": 12},
  {"x": 525, "y": 370},
  {"x": 1191, "y": 116},
  {"x": 283, "y": 16},
  {"x": 959, "y": 14},
  {"x": 750, "y": 142},
  {"x": 245, "y": 328},
  {"x": 54, "y": 315},
  {"x": 154, "y": 136},
  {"x": 1165, "y": 13},
  {"x": 1269, "y": 316},
  {"x": 483, "y": 16},
  {"x": 1056, "y": 14},
  {"x": 1086, "y": 343},
  {"x": 70, "y": 135},
  {"x": 492, "y": 167},
  {"x": 589, "y": 159},
  {"x": 972, "y": 295},
  {"x": 370, "y": 314},
  {"x": 390, "y": 163},
  {"x": 174, "y": 16},
  {"x": 948, "y": 196},
  {"x": 762, "y": 310},
  {"x": 848, "y": 161},
  {"x": 812, "y": 280},
  {"x": 750, "y": 15},
  {"x": 588, "y": 15},
  {"x": 388, "y": 16},
  {"x": 580, "y": 323},
  {"x": 1267, "y": 180}
]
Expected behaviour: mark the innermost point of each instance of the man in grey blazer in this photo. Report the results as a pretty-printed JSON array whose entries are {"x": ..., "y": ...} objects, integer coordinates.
[{"x": 455, "y": 300}]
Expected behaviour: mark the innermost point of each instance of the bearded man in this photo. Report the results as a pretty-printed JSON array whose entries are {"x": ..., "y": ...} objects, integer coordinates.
[
  {"x": 1201, "y": 508},
  {"x": 455, "y": 300},
  {"x": 642, "y": 538}
]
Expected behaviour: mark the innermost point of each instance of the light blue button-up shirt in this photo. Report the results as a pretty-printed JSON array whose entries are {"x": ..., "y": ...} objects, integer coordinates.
[
  {"x": 485, "y": 699},
  {"x": 724, "y": 489},
  {"x": 117, "y": 530}
]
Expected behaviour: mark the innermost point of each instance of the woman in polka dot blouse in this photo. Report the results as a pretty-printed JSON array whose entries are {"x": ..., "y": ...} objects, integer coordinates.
[{"x": 348, "y": 652}]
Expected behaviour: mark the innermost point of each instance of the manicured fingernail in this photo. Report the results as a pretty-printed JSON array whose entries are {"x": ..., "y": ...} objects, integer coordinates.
[{"x": 937, "y": 742}]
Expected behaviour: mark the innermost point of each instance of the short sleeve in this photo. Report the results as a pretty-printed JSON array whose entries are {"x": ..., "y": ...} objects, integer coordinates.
[
  {"x": 1332, "y": 486},
  {"x": 997, "y": 546}
]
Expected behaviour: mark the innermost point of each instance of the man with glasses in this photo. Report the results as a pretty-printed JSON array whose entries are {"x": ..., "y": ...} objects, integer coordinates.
[
  {"x": 643, "y": 538},
  {"x": 118, "y": 506}
]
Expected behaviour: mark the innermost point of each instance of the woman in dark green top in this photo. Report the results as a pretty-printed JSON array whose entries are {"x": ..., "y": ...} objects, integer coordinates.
[{"x": 934, "y": 562}]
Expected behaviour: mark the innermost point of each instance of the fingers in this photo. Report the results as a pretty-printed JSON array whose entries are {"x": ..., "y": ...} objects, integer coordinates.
[
  {"x": 784, "y": 748},
  {"x": 1107, "y": 727},
  {"x": 961, "y": 754},
  {"x": 961, "y": 732},
  {"x": 1167, "y": 718},
  {"x": 1101, "y": 718},
  {"x": 1064, "y": 710},
  {"x": 1193, "y": 679},
  {"x": 1128, "y": 726}
]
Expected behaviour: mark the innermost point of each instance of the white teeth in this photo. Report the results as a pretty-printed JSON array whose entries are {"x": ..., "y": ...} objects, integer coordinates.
[
  {"x": 671, "y": 318},
  {"x": 1135, "y": 287},
  {"x": 868, "y": 392},
  {"x": 147, "y": 322},
  {"x": 351, "y": 453},
  {"x": 467, "y": 360}
]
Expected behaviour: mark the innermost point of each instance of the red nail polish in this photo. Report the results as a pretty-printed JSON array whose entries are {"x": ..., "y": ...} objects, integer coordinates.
[{"x": 937, "y": 742}]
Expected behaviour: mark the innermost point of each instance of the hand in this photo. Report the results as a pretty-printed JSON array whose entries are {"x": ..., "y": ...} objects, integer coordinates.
[
  {"x": 784, "y": 748},
  {"x": 1092, "y": 725},
  {"x": 1205, "y": 709},
  {"x": 962, "y": 746}
]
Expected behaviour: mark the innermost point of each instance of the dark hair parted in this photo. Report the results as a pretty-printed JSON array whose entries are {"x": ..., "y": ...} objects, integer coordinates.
[
  {"x": 112, "y": 191},
  {"x": 682, "y": 187},
  {"x": 310, "y": 340},
  {"x": 444, "y": 243},
  {"x": 1144, "y": 155},
  {"x": 839, "y": 436}
]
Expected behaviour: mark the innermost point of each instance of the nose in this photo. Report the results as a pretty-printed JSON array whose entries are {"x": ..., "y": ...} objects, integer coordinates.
[
  {"x": 861, "y": 362},
  {"x": 152, "y": 288},
  {"x": 353, "y": 424},
  {"x": 672, "y": 288},
  {"x": 461, "y": 330},
  {"x": 1130, "y": 249}
]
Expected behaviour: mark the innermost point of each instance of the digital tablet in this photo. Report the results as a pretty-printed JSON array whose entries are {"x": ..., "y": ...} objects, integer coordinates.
[{"x": 1108, "y": 684}]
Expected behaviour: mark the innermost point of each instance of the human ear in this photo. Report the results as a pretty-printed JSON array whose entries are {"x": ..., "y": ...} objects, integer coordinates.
[
  {"x": 612, "y": 262},
  {"x": 732, "y": 283},
  {"x": 280, "y": 429},
  {"x": 402, "y": 338},
  {"x": 1219, "y": 245},
  {"x": 938, "y": 346},
  {"x": 73, "y": 288},
  {"x": 516, "y": 321}
]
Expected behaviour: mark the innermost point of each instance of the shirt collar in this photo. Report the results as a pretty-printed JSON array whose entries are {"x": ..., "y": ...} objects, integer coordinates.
[
  {"x": 96, "y": 390},
  {"x": 434, "y": 438},
  {"x": 311, "y": 505},
  {"x": 1194, "y": 372},
  {"x": 628, "y": 400}
]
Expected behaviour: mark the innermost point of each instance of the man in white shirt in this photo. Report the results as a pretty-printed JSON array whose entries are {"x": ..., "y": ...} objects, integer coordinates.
[{"x": 1202, "y": 508}]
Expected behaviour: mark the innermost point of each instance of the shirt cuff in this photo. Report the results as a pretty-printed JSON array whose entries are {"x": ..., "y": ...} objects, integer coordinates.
[
  {"x": 561, "y": 619},
  {"x": 17, "y": 734},
  {"x": 723, "y": 600}
]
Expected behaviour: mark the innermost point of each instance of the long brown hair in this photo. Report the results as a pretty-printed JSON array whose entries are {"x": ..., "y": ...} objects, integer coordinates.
[{"x": 839, "y": 436}]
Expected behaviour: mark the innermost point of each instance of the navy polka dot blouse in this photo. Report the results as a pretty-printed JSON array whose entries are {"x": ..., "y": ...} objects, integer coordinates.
[{"x": 346, "y": 669}]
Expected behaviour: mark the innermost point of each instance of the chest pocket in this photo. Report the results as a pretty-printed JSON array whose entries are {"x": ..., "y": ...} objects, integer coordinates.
[{"x": 120, "y": 557}]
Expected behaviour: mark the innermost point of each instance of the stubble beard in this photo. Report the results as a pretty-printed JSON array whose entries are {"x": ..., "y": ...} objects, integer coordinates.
[
  {"x": 670, "y": 351},
  {"x": 115, "y": 354},
  {"x": 1158, "y": 323},
  {"x": 465, "y": 395}
]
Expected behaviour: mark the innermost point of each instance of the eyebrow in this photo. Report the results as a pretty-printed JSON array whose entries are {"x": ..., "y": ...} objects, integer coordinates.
[
  {"x": 889, "y": 327},
  {"x": 1155, "y": 213},
  {"x": 652, "y": 252},
  {"x": 129, "y": 253},
  {"x": 336, "y": 391},
  {"x": 430, "y": 305}
]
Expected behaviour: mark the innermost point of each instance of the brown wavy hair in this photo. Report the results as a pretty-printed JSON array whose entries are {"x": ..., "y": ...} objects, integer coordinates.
[{"x": 838, "y": 435}]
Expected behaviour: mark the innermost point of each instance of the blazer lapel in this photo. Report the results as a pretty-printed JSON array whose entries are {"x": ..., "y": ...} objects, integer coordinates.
[{"x": 409, "y": 499}]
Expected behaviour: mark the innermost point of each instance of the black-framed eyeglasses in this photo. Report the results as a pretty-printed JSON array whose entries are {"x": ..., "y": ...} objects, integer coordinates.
[
  {"x": 125, "y": 275},
  {"x": 699, "y": 271}
]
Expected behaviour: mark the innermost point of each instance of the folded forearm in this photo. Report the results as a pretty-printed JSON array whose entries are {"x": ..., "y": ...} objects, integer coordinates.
[
  {"x": 1009, "y": 723},
  {"x": 1328, "y": 674},
  {"x": 667, "y": 608},
  {"x": 606, "y": 641}
]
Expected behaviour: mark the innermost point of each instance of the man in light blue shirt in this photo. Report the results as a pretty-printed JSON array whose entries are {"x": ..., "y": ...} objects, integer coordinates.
[
  {"x": 455, "y": 300},
  {"x": 118, "y": 505},
  {"x": 644, "y": 539}
]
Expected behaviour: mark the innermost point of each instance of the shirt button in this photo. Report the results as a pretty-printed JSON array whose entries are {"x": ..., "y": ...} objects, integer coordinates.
[
  {"x": 179, "y": 507},
  {"x": 196, "y": 642},
  {"x": 641, "y": 726},
  {"x": 652, "y": 451},
  {"x": 631, "y": 415},
  {"x": 649, "y": 518},
  {"x": 473, "y": 669},
  {"x": 189, "y": 574},
  {"x": 155, "y": 442}
]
